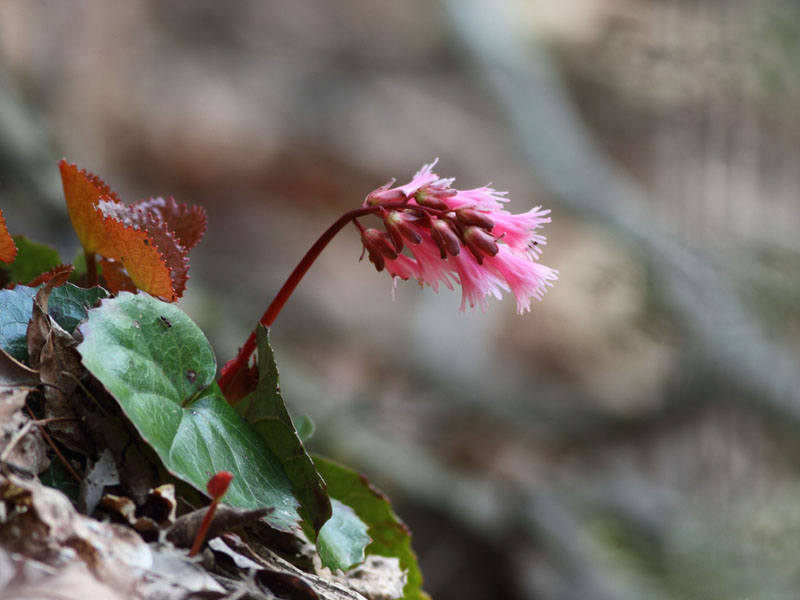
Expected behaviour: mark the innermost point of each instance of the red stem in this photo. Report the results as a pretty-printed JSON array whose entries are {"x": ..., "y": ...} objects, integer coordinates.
[
  {"x": 200, "y": 536},
  {"x": 237, "y": 366}
]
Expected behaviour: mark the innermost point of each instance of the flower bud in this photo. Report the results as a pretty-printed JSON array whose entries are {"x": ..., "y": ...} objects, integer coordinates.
[
  {"x": 477, "y": 218},
  {"x": 445, "y": 238},
  {"x": 479, "y": 243},
  {"x": 384, "y": 195},
  {"x": 399, "y": 226},
  {"x": 434, "y": 198},
  {"x": 380, "y": 241},
  {"x": 378, "y": 246},
  {"x": 217, "y": 486}
]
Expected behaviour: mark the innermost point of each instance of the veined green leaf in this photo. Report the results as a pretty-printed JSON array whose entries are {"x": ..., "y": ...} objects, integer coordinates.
[{"x": 160, "y": 368}]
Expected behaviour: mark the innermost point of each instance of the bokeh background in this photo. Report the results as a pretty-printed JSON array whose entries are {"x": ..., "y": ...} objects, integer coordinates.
[{"x": 635, "y": 436}]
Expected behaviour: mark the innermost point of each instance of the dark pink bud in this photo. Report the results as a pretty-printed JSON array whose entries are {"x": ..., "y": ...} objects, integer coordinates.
[
  {"x": 476, "y": 218},
  {"x": 384, "y": 195},
  {"x": 479, "y": 243},
  {"x": 445, "y": 238},
  {"x": 378, "y": 246},
  {"x": 376, "y": 258},
  {"x": 400, "y": 222},
  {"x": 217, "y": 486},
  {"x": 434, "y": 198},
  {"x": 394, "y": 233},
  {"x": 378, "y": 241}
]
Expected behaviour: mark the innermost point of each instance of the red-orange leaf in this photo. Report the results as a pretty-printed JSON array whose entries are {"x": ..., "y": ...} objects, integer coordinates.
[
  {"x": 138, "y": 254},
  {"x": 83, "y": 191},
  {"x": 115, "y": 277},
  {"x": 58, "y": 275},
  {"x": 172, "y": 254},
  {"x": 144, "y": 244},
  {"x": 8, "y": 249},
  {"x": 188, "y": 223}
]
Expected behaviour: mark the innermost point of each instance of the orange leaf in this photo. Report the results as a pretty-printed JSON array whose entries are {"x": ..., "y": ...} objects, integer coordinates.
[
  {"x": 8, "y": 249},
  {"x": 83, "y": 191},
  {"x": 58, "y": 275},
  {"x": 188, "y": 223},
  {"x": 148, "y": 251},
  {"x": 115, "y": 277}
]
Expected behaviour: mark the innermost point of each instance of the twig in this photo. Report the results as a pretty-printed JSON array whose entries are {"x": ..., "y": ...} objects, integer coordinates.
[
  {"x": 21, "y": 433},
  {"x": 52, "y": 444}
]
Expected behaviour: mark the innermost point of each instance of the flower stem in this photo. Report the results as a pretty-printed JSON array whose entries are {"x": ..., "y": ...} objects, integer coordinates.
[
  {"x": 200, "y": 536},
  {"x": 236, "y": 368},
  {"x": 91, "y": 269}
]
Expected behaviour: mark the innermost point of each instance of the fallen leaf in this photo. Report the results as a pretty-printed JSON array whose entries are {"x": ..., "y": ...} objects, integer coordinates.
[
  {"x": 43, "y": 525},
  {"x": 158, "y": 510},
  {"x": 183, "y": 532},
  {"x": 103, "y": 473},
  {"x": 14, "y": 373},
  {"x": 73, "y": 582},
  {"x": 52, "y": 351},
  {"x": 279, "y": 575},
  {"x": 175, "y": 576},
  {"x": 29, "y": 452}
]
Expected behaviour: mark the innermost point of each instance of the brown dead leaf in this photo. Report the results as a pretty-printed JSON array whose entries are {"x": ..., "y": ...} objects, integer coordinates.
[
  {"x": 43, "y": 525},
  {"x": 52, "y": 351},
  {"x": 73, "y": 582},
  {"x": 137, "y": 474},
  {"x": 183, "y": 532},
  {"x": 103, "y": 473},
  {"x": 14, "y": 374},
  {"x": 21, "y": 446},
  {"x": 278, "y": 575},
  {"x": 175, "y": 576},
  {"x": 157, "y": 513}
]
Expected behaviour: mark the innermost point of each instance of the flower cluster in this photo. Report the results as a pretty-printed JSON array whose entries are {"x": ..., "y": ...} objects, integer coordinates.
[{"x": 457, "y": 236}]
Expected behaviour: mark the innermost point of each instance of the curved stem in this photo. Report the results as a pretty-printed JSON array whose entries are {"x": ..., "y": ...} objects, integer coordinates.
[{"x": 236, "y": 368}]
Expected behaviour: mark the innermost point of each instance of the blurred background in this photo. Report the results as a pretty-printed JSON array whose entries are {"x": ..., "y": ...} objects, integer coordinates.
[{"x": 635, "y": 436}]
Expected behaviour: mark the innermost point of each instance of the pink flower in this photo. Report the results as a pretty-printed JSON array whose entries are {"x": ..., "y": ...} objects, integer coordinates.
[{"x": 436, "y": 233}]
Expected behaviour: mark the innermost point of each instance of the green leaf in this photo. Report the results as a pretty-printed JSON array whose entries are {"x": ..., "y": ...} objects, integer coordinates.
[
  {"x": 342, "y": 540},
  {"x": 160, "y": 368},
  {"x": 305, "y": 427},
  {"x": 390, "y": 536},
  {"x": 266, "y": 411},
  {"x": 16, "y": 307},
  {"x": 32, "y": 260},
  {"x": 68, "y": 305}
]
